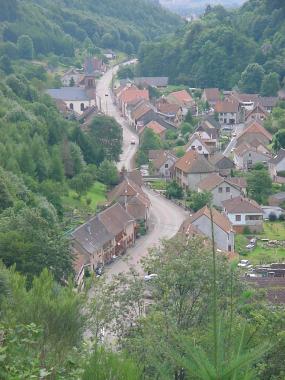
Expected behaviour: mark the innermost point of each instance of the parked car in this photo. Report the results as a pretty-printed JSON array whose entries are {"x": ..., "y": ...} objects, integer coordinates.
[
  {"x": 150, "y": 276},
  {"x": 133, "y": 142},
  {"x": 250, "y": 246},
  {"x": 244, "y": 264}
]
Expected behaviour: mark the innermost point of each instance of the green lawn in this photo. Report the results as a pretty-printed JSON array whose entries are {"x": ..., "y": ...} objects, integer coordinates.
[
  {"x": 158, "y": 184},
  {"x": 97, "y": 195},
  {"x": 262, "y": 253}
]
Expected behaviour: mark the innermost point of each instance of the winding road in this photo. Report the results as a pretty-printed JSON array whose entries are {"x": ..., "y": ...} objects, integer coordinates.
[{"x": 165, "y": 217}]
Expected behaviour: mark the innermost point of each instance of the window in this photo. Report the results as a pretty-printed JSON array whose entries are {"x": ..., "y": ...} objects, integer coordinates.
[
  {"x": 71, "y": 106},
  {"x": 220, "y": 189},
  {"x": 166, "y": 166},
  {"x": 249, "y": 154},
  {"x": 228, "y": 189},
  {"x": 82, "y": 107},
  {"x": 193, "y": 147},
  {"x": 238, "y": 218},
  {"x": 229, "y": 248},
  {"x": 199, "y": 147}
]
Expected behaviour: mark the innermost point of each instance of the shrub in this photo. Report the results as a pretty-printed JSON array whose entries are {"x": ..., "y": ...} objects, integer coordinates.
[
  {"x": 272, "y": 217},
  {"x": 246, "y": 230},
  {"x": 282, "y": 217}
]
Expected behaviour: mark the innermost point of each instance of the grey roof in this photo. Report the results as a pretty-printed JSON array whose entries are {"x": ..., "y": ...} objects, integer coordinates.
[
  {"x": 92, "y": 235},
  {"x": 279, "y": 196},
  {"x": 221, "y": 161},
  {"x": 151, "y": 81},
  {"x": 68, "y": 93},
  {"x": 268, "y": 101},
  {"x": 278, "y": 158}
]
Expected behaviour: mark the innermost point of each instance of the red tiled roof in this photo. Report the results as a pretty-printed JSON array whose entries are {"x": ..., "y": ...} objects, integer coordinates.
[
  {"x": 132, "y": 93},
  {"x": 156, "y": 127},
  {"x": 227, "y": 106},
  {"x": 182, "y": 96},
  {"x": 212, "y": 94}
]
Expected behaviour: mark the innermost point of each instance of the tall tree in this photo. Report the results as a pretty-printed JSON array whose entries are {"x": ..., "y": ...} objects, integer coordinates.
[
  {"x": 25, "y": 47},
  {"x": 251, "y": 78},
  {"x": 270, "y": 84}
]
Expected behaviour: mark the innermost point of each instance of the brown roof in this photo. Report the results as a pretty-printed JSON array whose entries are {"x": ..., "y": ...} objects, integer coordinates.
[
  {"x": 167, "y": 108},
  {"x": 155, "y": 153},
  {"x": 239, "y": 181},
  {"x": 256, "y": 127},
  {"x": 127, "y": 188},
  {"x": 134, "y": 175},
  {"x": 140, "y": 111},
  {"x": 242, "y": 205},
  {"x": 212, "y": 94},
  {"x": 182, "y": 96},
  {"x": 130, "y": 94},
  {"x": 115, "y": 219},
  {"x": 193, "y": 162},
  {"x": 257, "y": 108},
  {"x": 213, "y": 180},
  {"x": 219, "y": 219},
  {"x": 137, "y": 206},
  {"x": 162, "y": 158},
  {"x": 256, "y": 147},
  {"x": 156, "y": 127},
  {"x": 227, "y": 106}
]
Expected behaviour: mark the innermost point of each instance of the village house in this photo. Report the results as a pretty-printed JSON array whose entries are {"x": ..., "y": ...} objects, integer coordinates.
[
  {"x": 183, "y": 99},
  {"x": 254, "y": 131},
  {"x": 223, "y": 164},
  {"x": 211, "y": 96},
  {"x": 140, "y": 115},
  {"x": 132, "y": 198},
  {"x": 169, "y": 111},
  {"x": 190, "y": 169},
  {"x": 105, "y": 235},
  {"x": 128, "y": 95},
  {"x": 209, "y": 131},
  {"x": 228, "y": 112},
  {"x": 163, "y": 163},
  {"x": 156, "y": 127},
  {"x": 224, "y": 234},
  {"x": 268, "y": 102},
  {"x": 196, "y": 143},
  {"x": 277, "y": 164},
  {"x": 247, "y": 155},
  {"x": 221, "y": 188},
  {"x": 77, "y": 99},
  {"x": 157, "y": 82},
  {"x": 257, "y": 113},
  {"x": 243, "y": 212}
]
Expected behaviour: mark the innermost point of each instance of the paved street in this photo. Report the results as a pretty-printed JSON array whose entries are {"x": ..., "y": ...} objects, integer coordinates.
[
  {"x": 107, "y": 106},
  {"x": 166, "y": 217},
  {"x": 238, "y": 129}
]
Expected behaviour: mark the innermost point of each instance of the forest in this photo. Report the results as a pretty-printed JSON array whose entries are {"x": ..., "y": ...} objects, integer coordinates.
[
  {"x": 109, "y": 24},
  {"x": 219, "y": 49}
]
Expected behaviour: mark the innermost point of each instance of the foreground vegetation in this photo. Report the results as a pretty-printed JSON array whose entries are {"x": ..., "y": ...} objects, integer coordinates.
[{"x": 201, "y": 323}]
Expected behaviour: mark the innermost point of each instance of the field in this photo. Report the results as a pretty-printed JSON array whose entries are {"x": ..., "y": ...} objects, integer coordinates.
[
  {"x": 158, "y": 184},
  {"x": 87, "y": 203},
  {"x": 262, "y": 253}
]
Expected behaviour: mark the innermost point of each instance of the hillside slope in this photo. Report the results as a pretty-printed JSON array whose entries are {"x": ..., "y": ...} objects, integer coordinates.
[
  {"x": 60, "y": 26},
  {"x": 215, "y": 50}
]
